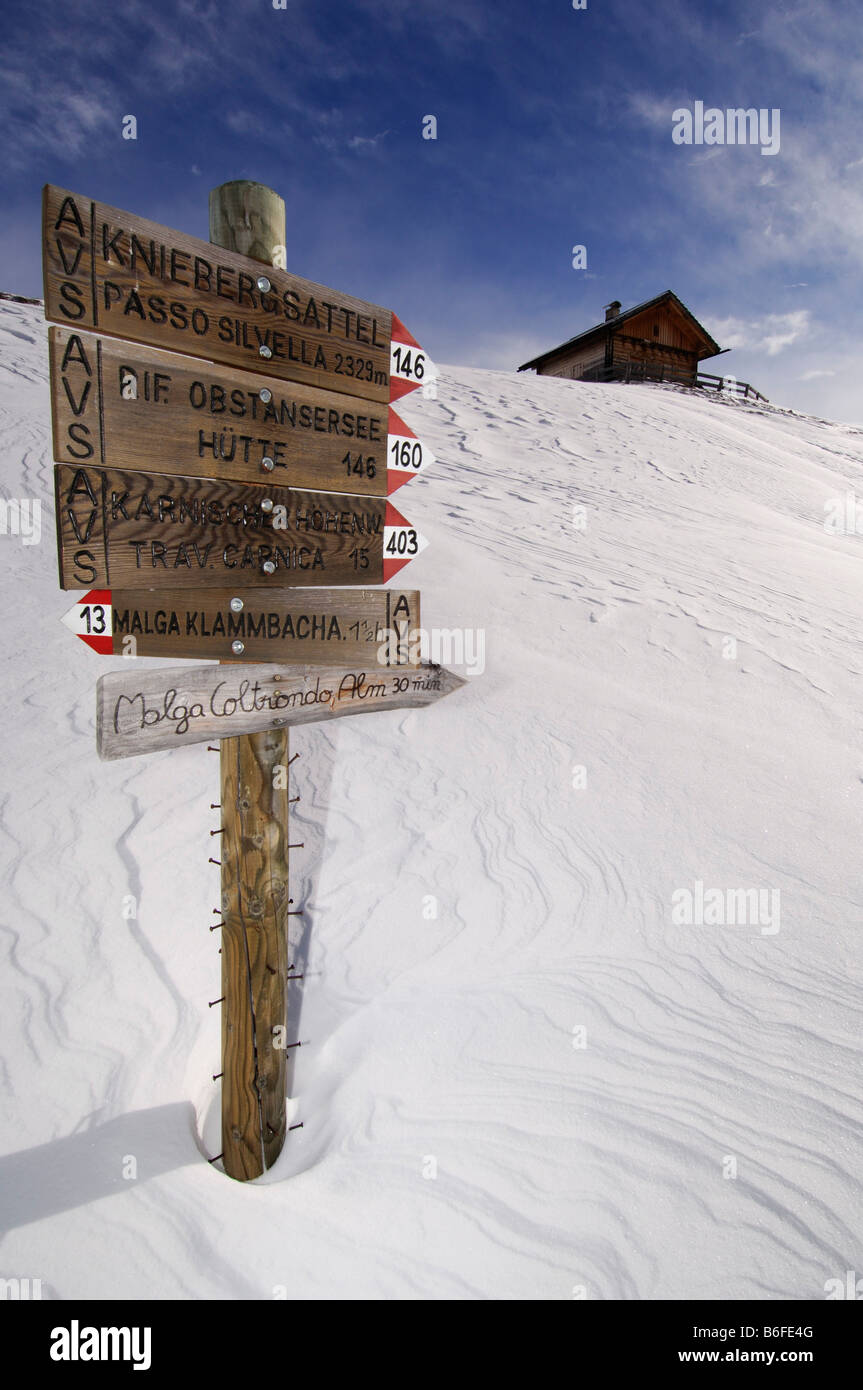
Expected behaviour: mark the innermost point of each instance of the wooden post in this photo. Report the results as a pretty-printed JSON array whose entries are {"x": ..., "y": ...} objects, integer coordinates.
[{"x": 250, "y": 218}]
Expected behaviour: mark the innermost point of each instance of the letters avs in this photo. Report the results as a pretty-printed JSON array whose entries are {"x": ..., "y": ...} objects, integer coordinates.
[
  {"x": 144, "y": 530},
  {"x": 126, "y": 276},
  {"x": 111, "y": 401}
]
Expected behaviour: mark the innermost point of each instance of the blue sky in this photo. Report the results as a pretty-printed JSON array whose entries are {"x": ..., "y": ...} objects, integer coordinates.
[{"x": 554, "y": 130}]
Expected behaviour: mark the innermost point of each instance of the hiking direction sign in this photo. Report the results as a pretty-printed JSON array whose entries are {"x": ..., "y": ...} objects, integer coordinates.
[
  {"x": 145, "y": 530},
  {"x": 232, "y": 441},
  {"x": 320, "y": 626},
  {"x": 115, "y": 273},
  {"x": 149, "y": 711},
  {"x": 111, "y": 401}
]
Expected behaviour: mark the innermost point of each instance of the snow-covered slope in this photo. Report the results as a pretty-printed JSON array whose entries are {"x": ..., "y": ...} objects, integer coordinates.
[{"x": 552, "y": 1087}]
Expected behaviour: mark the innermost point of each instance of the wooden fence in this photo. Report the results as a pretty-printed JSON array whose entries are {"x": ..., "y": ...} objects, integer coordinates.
[{"x": 646, "y": 371}]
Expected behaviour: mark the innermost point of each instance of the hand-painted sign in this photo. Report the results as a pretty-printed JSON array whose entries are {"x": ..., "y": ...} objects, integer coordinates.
[
  {"x": 122, "y": 405},
  {"x": 126, "y": 276},
  {"x": 144, "y": 530},
  {"x": 324, "y": 626},
  {"x": 143, "y": 711}
]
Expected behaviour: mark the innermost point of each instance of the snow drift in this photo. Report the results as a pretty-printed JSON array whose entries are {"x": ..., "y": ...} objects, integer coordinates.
[{"x": 532, "y": 1066}]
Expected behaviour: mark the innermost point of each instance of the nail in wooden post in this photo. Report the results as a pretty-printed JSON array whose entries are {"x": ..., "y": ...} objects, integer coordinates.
[{"x": 250, "y": 218}]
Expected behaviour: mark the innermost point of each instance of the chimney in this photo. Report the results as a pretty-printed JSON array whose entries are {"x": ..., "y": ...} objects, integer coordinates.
[{"x": 612, "y": 310}]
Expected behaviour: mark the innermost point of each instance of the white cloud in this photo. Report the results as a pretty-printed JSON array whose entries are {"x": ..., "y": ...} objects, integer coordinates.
[
  {"x": 653, "y": 110},
  {"x": 63, "y": 120},
  {"x": 364, "y": 142},
  {"x": 771, "y": 334},
  {"x": 245, "y": 122}
]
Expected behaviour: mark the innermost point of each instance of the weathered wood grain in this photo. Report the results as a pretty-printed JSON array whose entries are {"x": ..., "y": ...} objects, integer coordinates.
[
  {"x": 254, "y": 809},
  {"x": 148, "y": 530},
  {"x": 326, "y": 626},
  {"x": 145, "y": 711},
  {"x": 254, "y": 800},
  {"x": 124, "y": 275},
  {"x": 249, "y": 218},
  {"x": 134, "y": 407}
]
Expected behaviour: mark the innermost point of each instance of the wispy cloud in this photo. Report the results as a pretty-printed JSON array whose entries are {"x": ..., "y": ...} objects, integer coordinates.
[
  {"x": 771, "y": 334},
  {"x": 650, "y": 109},
  {"x": 256, "y": 124},
  {"x": 366, "y": 142},
  {"x": 554, "y": 129},
  {"x": 65, "y": 121}
]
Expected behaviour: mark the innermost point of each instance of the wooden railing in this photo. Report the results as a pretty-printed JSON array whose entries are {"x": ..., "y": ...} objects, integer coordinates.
[{"x": 647, "y": 371}]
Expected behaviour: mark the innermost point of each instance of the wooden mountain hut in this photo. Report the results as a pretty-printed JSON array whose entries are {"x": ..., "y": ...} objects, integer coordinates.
[{"x": 659, "y": 340}]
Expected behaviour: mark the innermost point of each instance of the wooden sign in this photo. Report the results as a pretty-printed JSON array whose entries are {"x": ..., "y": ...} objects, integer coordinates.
[
  {"x": 145, "y": 711},
  {"x": 145, "y": 530},
  {"x": 324, "y": 626},
  {"x": 123, "y": 405},
  {"x": 126, "y": 276}
]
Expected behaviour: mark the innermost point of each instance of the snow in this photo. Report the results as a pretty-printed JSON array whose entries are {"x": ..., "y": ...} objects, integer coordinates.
[{"x": 461, "y": 1137}]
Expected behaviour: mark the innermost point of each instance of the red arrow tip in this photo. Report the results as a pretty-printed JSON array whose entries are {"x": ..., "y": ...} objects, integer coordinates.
[
  {"x": 392, "y": 567},
  {"x": 394, "y": 518},
  {"x": 401, "y": 335},
  {"x": 400, "y": 387},
  {"x": 396, "y": 425}
]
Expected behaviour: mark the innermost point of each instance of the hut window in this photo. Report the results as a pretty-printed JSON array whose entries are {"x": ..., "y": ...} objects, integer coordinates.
[{"x": 656, "y": 330}]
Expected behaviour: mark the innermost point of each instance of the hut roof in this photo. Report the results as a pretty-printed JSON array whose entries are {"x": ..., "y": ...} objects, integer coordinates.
[{"x": 600, "y": 329}]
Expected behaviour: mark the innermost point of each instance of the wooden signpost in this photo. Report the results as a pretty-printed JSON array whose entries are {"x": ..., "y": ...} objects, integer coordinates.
[
  {"x": 133, "y": 530},
  {"x": 109, "y": 400},
  {"x": 145, "y": 712},
  {"x": 326, "y": 626},
  {"x": 237, "y": 445},
  {"x": 126, "y": 276}
]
